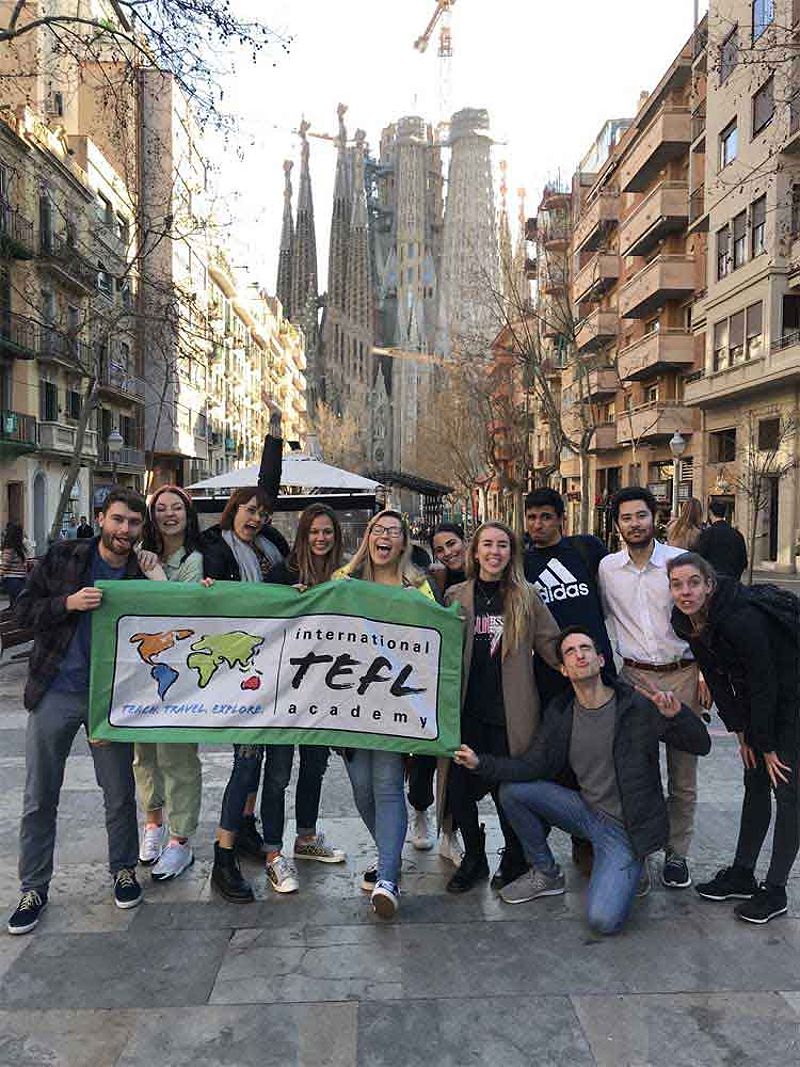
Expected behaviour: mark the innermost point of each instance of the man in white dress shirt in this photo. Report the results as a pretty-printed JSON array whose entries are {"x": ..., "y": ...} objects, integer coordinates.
[{"x": 635, "y": 591}]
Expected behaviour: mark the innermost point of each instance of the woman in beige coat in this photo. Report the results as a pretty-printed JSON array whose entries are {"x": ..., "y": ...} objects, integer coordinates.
[{"x": 505, "y": 622}]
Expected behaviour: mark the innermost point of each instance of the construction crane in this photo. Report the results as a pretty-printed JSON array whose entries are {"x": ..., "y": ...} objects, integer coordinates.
[{"x": 441, "y": 17}]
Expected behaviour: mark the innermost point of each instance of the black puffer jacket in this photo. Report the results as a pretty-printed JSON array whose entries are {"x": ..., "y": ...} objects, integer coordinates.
[
  {"x": 752, "y": 669},
  {"x": 219, "y": 561},
  {"x": 640, "y": 726}
]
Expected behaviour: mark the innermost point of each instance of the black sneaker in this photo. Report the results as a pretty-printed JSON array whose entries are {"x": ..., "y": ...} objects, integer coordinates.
[
  {"x": 249, "y": 841},
  {"x": 369, "y": 879},
  {"x": 31, "y": 905},
  {"x": 675, "y": 873},
  {"x": 511, "y": 868},
  {"x": 766, "y": 903},
  {"x": 729, "y": 883},
  {"x": 474, "y": 868},
  {"x": 127, "y": 891}
]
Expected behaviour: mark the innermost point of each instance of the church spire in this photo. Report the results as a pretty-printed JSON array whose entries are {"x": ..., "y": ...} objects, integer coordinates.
[
  {"x": 283, "y": 286},
  {"x": 340, "y": 220},
  {"x": 304, "y": 262}
]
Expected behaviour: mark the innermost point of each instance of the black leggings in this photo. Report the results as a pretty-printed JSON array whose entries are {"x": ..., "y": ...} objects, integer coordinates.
[
  {"x": 420, "y": 781},
  {"x": 756, "y": 815},
  {"x": 465, "y": 789}
]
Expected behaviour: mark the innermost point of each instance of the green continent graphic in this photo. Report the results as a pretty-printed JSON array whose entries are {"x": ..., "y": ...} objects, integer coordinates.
[{"x": 234, "y": 649}]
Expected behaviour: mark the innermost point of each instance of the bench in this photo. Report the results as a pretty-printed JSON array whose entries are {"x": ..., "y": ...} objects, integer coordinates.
[{"x": 12, "y": 634}]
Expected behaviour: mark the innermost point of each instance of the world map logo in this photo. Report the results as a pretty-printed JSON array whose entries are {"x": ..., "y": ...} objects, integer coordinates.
[{"x": 209, "y": 653}]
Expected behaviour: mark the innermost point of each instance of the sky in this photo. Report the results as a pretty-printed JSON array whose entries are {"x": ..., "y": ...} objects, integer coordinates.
[{"x": 550, "y": 74}]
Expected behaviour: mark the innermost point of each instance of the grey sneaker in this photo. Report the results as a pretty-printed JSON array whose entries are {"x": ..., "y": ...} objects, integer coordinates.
[
  {"x": 531, "y": 885},
  {"x": 318, "y": 849},
  {"x": 154, "y": 839},
  {"x": 173, "y": 861}
]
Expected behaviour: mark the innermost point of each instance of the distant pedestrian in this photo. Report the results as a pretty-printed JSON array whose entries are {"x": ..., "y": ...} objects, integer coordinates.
[
  {"x": 684, "y": 531},
  {"x": 604, "y": 739},
  {"x": 751, "y": 664},
  {"x": 635, "y": 591},
  {"x": 721, "y": 544},
  {"x": 84, "y": 529},
  {"x": 56, "y": 604},
  {"x": 13, "y": 562},
  {"x": 71, "y": 532}
]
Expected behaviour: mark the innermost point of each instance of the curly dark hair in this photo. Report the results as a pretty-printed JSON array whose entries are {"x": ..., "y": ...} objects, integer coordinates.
[{"x": 13, "y": 538}]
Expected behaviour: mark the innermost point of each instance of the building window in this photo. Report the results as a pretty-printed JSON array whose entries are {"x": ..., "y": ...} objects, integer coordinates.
[
  {"x": 728, "y": 55},
  {"x": 754, "y": 331},
  {"x": 763, "y": 107},
  {"x": 105, "y": 212},
  {"x": 651, "y": 394},
  {"x": 763, "y": 15},
  {"x": 723, "y": 252},
  {"x": 105, "y": 284},
  {"x": 728, "y": 144},
  {"x": 791, "y": 318},
  {"x": 653, "y": 326},
  {"x": 48, "y": 401},
  {"x": 721, "y": 345},
  {"x": 736, "y": 338},
  {"x": 758, "y": 221},
  {"x": 73, "y": 405},
  {"x": 739, "y": 239},
  {"x": 795, "y": 210},
  {"x": 769, "y": 434},
  {"x": 722, "y": 446},
  {"x": 123, "y": 230}
]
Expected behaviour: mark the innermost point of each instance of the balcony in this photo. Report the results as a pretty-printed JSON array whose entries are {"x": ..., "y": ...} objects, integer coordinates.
[
  {"x": 698, "y": 216},
  {"x": 126, "y": 459},
  {"x": 16, "y": 233},
  {"x": 604, "y": 437},
  {"x": 698, "y": 121},
  {"x": 654, "y": 421},
  {"x": 597, "y": 330},
  {"x": 598, "y": 218},
  {"x": 596, "y": 277},
  {"x": 666, "y": 138},
  {"x": 65, "y": 348},
  {"x": 664, "y": 211},
  {"x": 55, "y": 437},
  {"x": 66, "y": 263},
  {"x": 17, "y": 433},
  {"x": 554, "y": 278},
  {"x": 600, "y": 382},
  {"x": 664, "y": 278},
  {"x": 17, "y": 336},
  {"x": 554, "y": 235},
  {"x": 655, "y": 352},
  {"x": 779, "y": 367},
  {"x": 554, "y": 318},
  {"x": 116, "y": 378}
]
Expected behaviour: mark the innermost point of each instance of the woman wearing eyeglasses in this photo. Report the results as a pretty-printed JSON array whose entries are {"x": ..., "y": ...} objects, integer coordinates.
[{"x": 376, "y": 776}]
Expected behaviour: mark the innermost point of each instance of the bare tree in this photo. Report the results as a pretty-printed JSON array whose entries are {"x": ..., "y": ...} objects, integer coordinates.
[{"x": 339, "y": 437}]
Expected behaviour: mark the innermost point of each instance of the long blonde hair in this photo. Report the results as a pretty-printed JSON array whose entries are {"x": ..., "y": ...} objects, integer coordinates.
[
  {"x": 360, "y": 566},
  {"x": 684, "y": 531},
  {"x": 517, "y": 594}
]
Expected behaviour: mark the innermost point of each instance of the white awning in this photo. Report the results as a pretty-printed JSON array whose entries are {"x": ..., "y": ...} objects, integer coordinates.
[{"x": 298, "y": 472}]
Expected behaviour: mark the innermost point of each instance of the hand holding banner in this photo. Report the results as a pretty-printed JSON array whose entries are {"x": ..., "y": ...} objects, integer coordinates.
[{"x": 346, "y": 664}]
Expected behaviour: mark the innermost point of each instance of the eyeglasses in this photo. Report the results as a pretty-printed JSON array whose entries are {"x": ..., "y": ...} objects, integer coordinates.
[{"x": 393, "y": 532}]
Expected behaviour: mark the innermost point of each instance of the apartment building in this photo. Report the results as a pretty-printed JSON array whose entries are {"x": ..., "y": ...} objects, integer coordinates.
[{"x": 746, "y": 183}]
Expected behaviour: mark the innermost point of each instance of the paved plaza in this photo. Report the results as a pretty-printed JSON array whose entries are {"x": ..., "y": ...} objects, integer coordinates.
[{"x": 315, "y": 979}]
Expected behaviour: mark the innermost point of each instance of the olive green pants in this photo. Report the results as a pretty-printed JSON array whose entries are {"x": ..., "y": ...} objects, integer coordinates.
[{"x": 170, "y": 777}]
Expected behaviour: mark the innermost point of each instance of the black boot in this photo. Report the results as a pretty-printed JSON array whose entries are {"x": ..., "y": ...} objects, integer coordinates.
[
  {"x": 226, "y": 877},
  {"x": 249, "y": 841},
  {"x": 512, "y": 866},
  {"x": 474, "y": 868}
]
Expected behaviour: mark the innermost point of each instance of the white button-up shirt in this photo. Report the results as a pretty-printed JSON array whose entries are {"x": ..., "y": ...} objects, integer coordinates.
[{"x": 639, "y": 603}]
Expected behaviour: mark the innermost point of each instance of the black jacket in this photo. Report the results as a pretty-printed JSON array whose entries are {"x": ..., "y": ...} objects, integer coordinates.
[
  {"x": 724, "y": 548},
  {"x": 751, "y": 670},
  {"x": 42, "y": 607},
  {"x": 639, "y": 728},
  {"x": 219, "y": 561}
]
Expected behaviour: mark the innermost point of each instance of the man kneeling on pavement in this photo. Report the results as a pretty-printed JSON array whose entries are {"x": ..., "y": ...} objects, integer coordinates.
[{"x": 592, "y": 770}]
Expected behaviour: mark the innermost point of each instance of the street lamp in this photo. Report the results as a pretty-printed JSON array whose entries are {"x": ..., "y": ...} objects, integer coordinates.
[
  {"x": 677, "y": 446},
  {"x": 115, "y": 441}
]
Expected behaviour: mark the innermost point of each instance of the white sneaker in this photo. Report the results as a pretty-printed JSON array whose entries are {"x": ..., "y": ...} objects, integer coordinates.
[
  {"x": 152, "y": 844},
  {"x": 450, "y": 848},
  {"x": 385, "y": 899},
  {"x": 174, "y": 860},
  {"x": 421, "y": 836},
  {"x": 281, "y": 875}
]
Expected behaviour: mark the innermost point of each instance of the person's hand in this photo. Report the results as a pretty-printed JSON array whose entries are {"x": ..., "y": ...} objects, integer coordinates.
[
  {"x": 206, "y": 582},
  {"x": 666, "y": 702},
  {"x": 776, "y": 769},
  {"x": 748, "y": 755},
  {"x": 465, "y": 757},
  {"x": 704, "y": 693},
  {"x": 148, "y": 561},
  {"x": 86, "y": 599},
  {"x": 300, "y": 587}
]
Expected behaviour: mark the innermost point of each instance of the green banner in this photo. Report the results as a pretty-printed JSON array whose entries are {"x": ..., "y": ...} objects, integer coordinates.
[{"x": 348, "y": 664}]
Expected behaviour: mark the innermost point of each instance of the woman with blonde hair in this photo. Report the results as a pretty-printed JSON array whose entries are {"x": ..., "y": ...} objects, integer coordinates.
[
  {"x": 684, "y": 531},
  {"x": 384, "y": 556},
  {"x": 505, "y": 622}
]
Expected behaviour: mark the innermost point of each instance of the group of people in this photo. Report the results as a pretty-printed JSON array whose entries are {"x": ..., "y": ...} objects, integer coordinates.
[{"x": 560, "y": 731}]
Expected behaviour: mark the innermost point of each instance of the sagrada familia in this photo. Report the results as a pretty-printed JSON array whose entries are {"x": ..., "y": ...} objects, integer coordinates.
[{"x": 413, "y": 277}]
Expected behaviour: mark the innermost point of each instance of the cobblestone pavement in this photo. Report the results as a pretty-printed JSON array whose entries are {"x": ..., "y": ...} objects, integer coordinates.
[{"x": 314, "y": 979}]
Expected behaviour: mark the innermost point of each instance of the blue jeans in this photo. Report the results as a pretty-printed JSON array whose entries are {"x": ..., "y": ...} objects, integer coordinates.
[
  {"x": 616, "y": 869},
  {"x": 377, "y": 781},
  {"x": 277, "y": 772}
]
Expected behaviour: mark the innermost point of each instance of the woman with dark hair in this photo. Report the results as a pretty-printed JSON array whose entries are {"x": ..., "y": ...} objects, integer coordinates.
[
  {"x": 505, "y": 622},
  {"x": 449, "y": 548},
  {"x": 13, "y": 562},
  {"x": 685, "y": 530},
  {"x": 384, "y": 556},
  {"x": 238, "y": 551},
  {"x": 169, "y": 776},
  {"x": 749, "y": 659},
  {"x": 315, "y": 555}
]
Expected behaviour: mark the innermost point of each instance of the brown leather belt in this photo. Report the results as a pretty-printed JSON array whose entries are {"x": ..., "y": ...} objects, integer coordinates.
[{"x": 659, "y": 668}]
